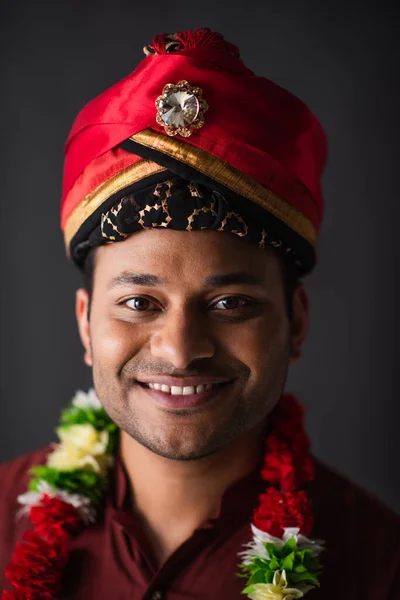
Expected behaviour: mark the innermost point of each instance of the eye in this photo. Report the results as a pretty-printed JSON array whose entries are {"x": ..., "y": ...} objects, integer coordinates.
[
  {"x": 232, "y": 303},
  {"x": 139, "y": 303}
]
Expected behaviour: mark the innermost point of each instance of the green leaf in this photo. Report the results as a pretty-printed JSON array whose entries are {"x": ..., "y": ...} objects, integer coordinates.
[
  {"x": 287, "y": 562},
  {"x": 290, "y": 546},
  {"x": 272, "y": 550},
  {"x": 274, "y": 564},
  {"x": 87, "y": 483},
  {"x": 300, "y": 569},
  {"x": 248, "y": 590},
  {"x": 72, "y": 415},
  {"x": 242, "y": 575},
  {"x": 269, "y": 577},
  {"x": 256, "y": 565},
  {"x": 261, "y": 563},
  {"x": 257, "y": 577}
]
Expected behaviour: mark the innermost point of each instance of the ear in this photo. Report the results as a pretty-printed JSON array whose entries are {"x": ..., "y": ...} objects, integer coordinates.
[
  {"x": 82, "y": 317},
  {"x": 299, "y": 324}
]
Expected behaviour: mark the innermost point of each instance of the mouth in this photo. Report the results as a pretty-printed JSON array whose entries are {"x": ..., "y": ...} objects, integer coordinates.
[
  {"x": 187, "y": 390},
  {"x": 178, "y": 397}
]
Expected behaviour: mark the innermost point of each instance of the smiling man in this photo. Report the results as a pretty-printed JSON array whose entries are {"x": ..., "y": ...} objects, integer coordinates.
[
  {"x": 189, "y": 343},
  {"x": 192, "y": 204}
]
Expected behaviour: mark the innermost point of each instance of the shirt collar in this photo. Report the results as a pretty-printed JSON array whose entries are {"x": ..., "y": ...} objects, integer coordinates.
[{"x": 237, "y": 502}]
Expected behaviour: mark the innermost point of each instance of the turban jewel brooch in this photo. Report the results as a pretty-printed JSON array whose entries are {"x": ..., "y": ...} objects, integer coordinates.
[{"x": 181, "y": 108}]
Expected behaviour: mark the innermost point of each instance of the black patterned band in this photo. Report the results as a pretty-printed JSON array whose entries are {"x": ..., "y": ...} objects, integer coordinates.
[{"x": 166, "y": 200}]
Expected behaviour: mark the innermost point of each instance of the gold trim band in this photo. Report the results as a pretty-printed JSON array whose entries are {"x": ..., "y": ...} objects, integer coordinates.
[
  {"x": 230, "y": 177},
  {"x": 203, "y": 162},
  {"x": 91, "y": 202}
]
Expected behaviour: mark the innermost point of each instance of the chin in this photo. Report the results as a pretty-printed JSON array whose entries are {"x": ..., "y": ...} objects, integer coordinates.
[
  {"x": 180, "y": 445},
  {"x": 181, "y": 455}
]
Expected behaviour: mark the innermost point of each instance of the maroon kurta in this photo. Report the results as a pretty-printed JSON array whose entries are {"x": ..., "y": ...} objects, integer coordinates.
[{"x": 111, "y": 560}]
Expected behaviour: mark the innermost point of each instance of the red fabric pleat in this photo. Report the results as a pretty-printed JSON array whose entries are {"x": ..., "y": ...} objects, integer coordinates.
[
  {"x": 252, "y": 124},
  {"x": 100, "y": 170}
]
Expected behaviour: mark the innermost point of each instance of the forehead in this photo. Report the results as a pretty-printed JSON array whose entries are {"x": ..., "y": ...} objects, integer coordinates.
[{"x": 177, "y": 253}]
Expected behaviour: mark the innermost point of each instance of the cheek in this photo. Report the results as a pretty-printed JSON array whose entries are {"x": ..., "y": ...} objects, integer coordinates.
[
  {"x": 260, "y": 344},
  {"x": 114, "y": 342}
]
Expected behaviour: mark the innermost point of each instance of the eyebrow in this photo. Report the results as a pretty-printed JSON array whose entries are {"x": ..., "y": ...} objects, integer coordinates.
[
  {"x": 146, "y": 279},
  {"x": 127, "y": 278},
  {"x": 234, "y": 279}
]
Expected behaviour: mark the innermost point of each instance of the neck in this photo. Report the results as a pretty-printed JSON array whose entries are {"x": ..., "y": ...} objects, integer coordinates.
[{"x": 173, "y": 498}]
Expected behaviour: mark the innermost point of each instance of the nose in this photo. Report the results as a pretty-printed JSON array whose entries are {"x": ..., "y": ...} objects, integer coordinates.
[{"x": 182, "y": 338}]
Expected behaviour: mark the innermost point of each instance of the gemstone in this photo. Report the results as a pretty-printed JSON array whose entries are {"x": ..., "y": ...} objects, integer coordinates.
[{"x": 179, "y": 108}]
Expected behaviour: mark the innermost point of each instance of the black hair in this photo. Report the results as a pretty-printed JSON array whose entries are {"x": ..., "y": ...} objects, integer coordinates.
[{"x": 290, "y": 280}]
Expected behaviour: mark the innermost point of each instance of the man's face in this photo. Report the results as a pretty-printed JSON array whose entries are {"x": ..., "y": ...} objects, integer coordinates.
[{"x": 187, "y": 309}]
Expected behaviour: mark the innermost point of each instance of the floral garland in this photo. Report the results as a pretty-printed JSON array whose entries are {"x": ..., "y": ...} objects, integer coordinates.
[
  {"x": 280, "y": 563},
  {"x": 62, "y": 498}
]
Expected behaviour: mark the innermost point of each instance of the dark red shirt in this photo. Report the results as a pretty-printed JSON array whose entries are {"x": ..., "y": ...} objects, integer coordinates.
[{"x": 112, "y": 561}]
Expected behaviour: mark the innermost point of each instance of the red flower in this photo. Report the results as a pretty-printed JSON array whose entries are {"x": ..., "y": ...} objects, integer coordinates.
[
  {"x": 287, "y": 469},
  {"x": 269, "y": 513},
  {"x": 37, "y": 565},
  {"x": 278, "y": 510},
  {"x": 287, "y": 463},
  {"x": 278, "y": 466},
  {"x": 55, "y": 519},
  {"x": 287, "y": 418}
]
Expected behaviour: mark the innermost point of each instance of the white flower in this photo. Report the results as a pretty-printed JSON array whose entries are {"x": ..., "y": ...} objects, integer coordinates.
[
  {"x": 81, "y": 503},
  {"x": 85, "y": 401},
  {"x": 277, "y": 590},
  {"x": 257, "y": 545},
  {"x": 82, "y": 447}
]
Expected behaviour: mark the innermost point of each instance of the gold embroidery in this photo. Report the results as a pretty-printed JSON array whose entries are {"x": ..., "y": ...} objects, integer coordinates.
[
  {"x": 95, "y": 199},
  {"x": 194, "y": 191},
  {"x": 163, "y": 194},
  {"x": 163, "y": 191},
  {"x": 198, "y": 211},
  {"x": 229, "y": 215},
  {"x": 114, "y": 212},
  {"x": 105, "y": 219},
  {"x": 264, "y": 236},
  {"x": 233, "y": 179}
]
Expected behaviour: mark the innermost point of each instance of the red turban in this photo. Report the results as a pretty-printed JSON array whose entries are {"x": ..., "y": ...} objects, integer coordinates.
[{"x": 255, "y": 141}]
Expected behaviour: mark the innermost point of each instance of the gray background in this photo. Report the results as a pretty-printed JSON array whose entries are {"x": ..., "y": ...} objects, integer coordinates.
[{"x": 341, "y": 59}]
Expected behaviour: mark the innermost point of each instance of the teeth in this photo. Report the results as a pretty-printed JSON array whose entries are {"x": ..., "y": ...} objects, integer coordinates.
[{"x": 175, "y": 390}]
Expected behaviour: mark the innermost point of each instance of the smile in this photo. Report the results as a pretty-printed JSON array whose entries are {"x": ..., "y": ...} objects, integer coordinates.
[
  {"x": 176, "y": 390},
  {"x": 175, "y": 397}
]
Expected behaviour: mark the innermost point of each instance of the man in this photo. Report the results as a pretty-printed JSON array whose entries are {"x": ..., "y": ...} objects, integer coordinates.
[{"x": 192, "y": 203}]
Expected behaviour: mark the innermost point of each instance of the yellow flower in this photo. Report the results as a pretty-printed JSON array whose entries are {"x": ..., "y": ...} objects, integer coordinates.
[
  {"x": 82, "y": 447},
  {"x": 277, "y": 590}
]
